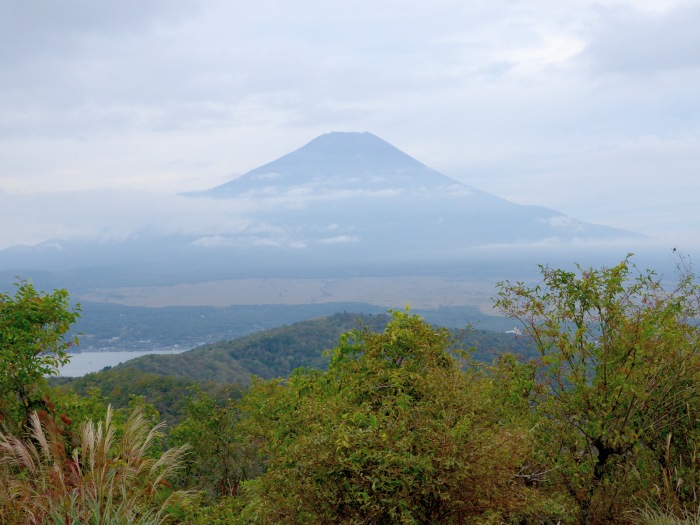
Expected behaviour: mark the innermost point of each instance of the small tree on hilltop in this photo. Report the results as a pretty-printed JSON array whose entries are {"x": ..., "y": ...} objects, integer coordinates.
[
  {"x": 396, "y": 431},
  {"x": 32, "y": 346},
  {"x": 616, "y": 386}
]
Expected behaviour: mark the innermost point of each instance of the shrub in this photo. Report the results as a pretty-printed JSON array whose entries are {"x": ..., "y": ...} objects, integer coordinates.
[{"x": 105, "y": 480}]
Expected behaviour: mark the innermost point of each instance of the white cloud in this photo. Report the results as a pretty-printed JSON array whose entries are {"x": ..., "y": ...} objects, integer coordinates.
[
  {"x": 340, "y": 239},
  {"x": 562, "y": 222},
  {"x": 629, "y": 40},
  {"x": 585, "y": 106},
  {"x": 267, "y": 176}
]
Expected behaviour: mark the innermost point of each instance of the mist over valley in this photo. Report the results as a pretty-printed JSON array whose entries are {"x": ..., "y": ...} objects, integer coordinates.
[{"x": 345, "y": 223}]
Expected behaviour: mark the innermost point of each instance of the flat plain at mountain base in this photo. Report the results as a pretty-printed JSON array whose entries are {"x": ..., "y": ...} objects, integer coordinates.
[{"x": 391, "y": 292}]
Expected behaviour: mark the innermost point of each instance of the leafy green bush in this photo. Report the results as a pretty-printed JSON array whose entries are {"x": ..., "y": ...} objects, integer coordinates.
[
  {"x": 220, "y": 458},
  {"x": 398, "y": 430},
  {"x": 32, "y": 346},
  {"x": 615, "y": 391}
]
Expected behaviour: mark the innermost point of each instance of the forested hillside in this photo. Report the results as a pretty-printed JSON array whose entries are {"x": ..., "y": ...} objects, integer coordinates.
[
  {"x": 277, "y": 352},
  {"x": 228, "y": 366},
  {"x": 107, "y": 326},
  {"x": 595, "y": 423}
]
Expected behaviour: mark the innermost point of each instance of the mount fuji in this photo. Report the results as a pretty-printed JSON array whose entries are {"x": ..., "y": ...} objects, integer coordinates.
[
  {"x": 344, "y": 200},
  {"x": 357, "y": 188}
]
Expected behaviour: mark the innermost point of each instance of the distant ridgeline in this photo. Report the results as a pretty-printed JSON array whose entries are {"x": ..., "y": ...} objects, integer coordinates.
[
  {"x": 267, "y": 354},
  {"x": 343, "y": 204},
  {"x": 106, "y": 326}
]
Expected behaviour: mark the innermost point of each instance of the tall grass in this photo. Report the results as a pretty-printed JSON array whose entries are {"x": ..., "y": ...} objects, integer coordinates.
[
  {"x": 651, "y": 516},
  {"x": 104, "y": 481}
]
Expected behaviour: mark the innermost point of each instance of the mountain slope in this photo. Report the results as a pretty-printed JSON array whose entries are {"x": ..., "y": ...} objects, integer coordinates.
[
  {"x": 277, "y": 352},
  {"x": 271, "y": 353},
  {"x": 345, "y": 203},
  {"x": 355, "y": 188},
  {"x": 336, "y": 161}
]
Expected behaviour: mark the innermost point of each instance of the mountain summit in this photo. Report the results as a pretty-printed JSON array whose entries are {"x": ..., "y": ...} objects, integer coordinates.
[
  {"x": 342, "y": 202},
  {"x": 332, "y": 162},
  {"x": 357, "y": 188}
]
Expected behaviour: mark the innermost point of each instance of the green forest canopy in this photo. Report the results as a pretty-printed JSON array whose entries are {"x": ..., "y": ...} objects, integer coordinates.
[{"x": 403, "y": 426}]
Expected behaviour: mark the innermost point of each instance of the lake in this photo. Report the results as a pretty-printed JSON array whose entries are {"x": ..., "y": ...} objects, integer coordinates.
[{"x": 87, "y": 362}]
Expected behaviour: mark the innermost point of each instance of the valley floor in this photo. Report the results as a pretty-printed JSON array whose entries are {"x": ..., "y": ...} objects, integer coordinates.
[{"x": 391, "y": 292}]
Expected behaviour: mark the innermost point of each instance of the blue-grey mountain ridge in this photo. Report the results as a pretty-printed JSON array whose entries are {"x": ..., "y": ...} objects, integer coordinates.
[{"x": 343, "y": 203}]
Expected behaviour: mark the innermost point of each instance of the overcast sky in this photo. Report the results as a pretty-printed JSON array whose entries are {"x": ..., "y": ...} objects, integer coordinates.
[{"x": 591, "y": 108}]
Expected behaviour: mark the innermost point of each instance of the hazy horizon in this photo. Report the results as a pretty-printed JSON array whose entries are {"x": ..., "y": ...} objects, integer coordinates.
[{"x": 108, "y": 110}]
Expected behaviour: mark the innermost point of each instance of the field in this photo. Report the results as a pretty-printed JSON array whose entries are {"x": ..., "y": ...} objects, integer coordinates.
[{"x": 422, "y": 292}]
